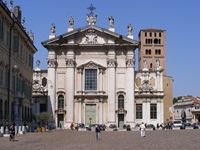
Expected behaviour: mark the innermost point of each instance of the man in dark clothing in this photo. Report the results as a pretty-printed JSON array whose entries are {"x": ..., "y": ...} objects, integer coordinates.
[
  {"x": 98, "y": 131},
  {"x": 12, "y": 131}
]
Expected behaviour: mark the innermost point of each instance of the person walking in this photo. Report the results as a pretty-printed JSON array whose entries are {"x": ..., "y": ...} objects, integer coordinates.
[
  {"x": 98, "y": 132},
  {"x": 12, "y": 132},
  {"x": 142, "y": 130}
]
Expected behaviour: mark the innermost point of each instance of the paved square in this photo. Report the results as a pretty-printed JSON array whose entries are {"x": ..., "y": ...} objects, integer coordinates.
[{"x": 117, "y": 140}]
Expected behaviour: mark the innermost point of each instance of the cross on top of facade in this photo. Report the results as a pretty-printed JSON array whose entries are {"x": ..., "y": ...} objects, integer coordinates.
[{"x": 91, "y": 8}]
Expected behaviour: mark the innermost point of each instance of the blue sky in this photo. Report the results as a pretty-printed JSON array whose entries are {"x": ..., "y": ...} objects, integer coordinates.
[{"x": 180, "y": 19}]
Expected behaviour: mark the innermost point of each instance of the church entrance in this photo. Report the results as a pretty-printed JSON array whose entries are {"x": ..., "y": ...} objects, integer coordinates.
[
  {"x": 120, "y": 120},
  {"x": 60, "y": 122},
  {"x": 90, "y": 114}
]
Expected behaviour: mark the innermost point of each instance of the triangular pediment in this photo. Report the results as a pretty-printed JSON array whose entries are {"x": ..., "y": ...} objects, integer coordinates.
[
  {"x": 90, "y": 35},
  {"x": 91, "y": 65}
]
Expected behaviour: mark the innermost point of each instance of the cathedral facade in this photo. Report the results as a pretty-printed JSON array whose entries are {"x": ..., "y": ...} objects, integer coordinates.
[{"x": 91, "y": 78}]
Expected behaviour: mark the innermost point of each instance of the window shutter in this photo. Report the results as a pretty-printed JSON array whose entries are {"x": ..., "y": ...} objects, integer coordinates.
[{"x": 1, "y": 29}]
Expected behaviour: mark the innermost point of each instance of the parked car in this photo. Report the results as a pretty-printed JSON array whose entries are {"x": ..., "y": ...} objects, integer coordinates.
[
  {"x": 150, "y": 126},
  {"x": 177, "y": 123},
  {"x": 113, "y": 126},
  {"x": 185, "y": 125},
  {"x": 195, "y": 126},
  {"x": 127, "y": 127},
  {"x": 102, "y": 127},
  {"x": 137, "y": 127},
  {"x": 78, "y": 125}
]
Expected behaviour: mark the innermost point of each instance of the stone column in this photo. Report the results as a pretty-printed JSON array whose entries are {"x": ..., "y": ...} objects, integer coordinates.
[
  {"x": 111, "y": 90},
  {"x": 70, "y": 64},
  {"x": 159, "y": 112},
  {"x": 147, "y": 111},
  {"x": 52, "y": 62},
  {"x": 80, "y": 111},
  {"x": 79, "y": 80},
  {"x": 144, "y": 111},
  {"x": 101, "y": 111},
  {"x": 16, "y": 112},
  {"x": 101, "y": 72},
  {"x": 130, "y": 99},
  {"x": 76, "y": 112}
]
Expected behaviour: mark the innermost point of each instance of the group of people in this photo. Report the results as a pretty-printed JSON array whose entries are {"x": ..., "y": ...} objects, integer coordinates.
[{"x": 164, "y": 126}]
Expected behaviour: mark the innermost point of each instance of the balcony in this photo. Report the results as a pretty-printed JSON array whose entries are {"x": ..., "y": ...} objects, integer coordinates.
[
  {"x": 60, "y": 111},
  {"x": 195, "y": 109},
  {"x": 121, "y": 111},
  {"x": 19, "y": 95}
]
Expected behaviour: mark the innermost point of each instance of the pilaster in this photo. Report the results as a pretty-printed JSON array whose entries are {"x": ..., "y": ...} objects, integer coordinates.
[
  {"x": 111, "y": 89},
  {"x": 130, "y": 119},
  {"x": 52, "y": 63},
  {"x": 70, "y": 64}
]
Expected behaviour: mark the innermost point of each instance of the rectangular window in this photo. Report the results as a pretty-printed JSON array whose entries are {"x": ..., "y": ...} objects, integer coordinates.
[
  {"x": 13, "y": 83},
  {"x": 16, "y": 43},
  {"x": 7, "y": 38},
  {"x": 91, "y": 79},
  {"x": 43, "y": 108},
  {"x": 1, "y": 77},
  {"x": 1, "y": 30},
  {"x": 138, "y": 111},
  {"x": 6, "y": 78},
  {"x": 153, "y": 111}
]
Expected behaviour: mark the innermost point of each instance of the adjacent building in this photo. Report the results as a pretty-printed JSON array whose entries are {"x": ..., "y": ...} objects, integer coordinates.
[
  {"x": 16, "y": 66},
  {"x": 188, "y": 108},
  {"x": 152, "y": 54}
]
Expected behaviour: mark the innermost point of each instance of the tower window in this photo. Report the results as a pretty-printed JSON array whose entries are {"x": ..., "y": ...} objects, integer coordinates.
[
  {"x": 150, "y": 34},
  {"x": 151, "y": 65},
  {"x": 145, "y": 34},
  {"x": 155, "y": 41},
  {"x": 154, "y": 34},
  {"x": 148, "y": 51},
  {"x": 160, "y": 34}
]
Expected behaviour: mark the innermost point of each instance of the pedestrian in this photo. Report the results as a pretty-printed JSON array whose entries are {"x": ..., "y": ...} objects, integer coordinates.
[
  {"x": 157, "y": 126},
  {"x": 98, "y": 132},
  {"x": 142, "y": 130},
  {"x": 72, "y": 126},
  {"x": 12, "y": 132}
]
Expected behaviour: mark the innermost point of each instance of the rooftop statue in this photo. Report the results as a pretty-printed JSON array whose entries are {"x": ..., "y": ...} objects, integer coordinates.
[
  {"x": 71, "y": 22},
  {"x": 111, "y": 19},
  {"x": 53, "y": 28},
  {"x": 145, "y": 63},
  {"x": 130, "y": 29},
  {"x": 38, "y": 64}
]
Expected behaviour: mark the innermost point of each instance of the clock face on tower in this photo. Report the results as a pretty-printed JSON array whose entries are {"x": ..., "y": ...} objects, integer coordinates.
[{"x": 36, "y": 85}]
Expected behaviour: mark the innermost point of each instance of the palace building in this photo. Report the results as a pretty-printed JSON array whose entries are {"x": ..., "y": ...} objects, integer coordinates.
[
  {"x": 91, "y": 78},
  {"x": 16, "y": 66}
]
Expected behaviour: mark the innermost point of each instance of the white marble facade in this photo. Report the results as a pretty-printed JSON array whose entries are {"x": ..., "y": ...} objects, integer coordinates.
[{"x": 92, "y": 71}]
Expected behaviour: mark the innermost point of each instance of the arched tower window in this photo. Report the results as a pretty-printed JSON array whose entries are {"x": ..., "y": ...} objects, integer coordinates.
[
  {"x": 44, "y": 81},
  {"x": 121, "y": 102},
  {"x": 155, "y": 41},
  {"x": 60, "y": 101}
]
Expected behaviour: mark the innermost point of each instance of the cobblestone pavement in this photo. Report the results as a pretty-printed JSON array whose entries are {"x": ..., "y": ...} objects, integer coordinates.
[{"x": 110, "y": 140}]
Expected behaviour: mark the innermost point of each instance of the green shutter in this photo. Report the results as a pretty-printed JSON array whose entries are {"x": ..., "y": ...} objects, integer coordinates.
[
  {"x": 16, "y": 43},
  {"x": 1, "y": 29}
]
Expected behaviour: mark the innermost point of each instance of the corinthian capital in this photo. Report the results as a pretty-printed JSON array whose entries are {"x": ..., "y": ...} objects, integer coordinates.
[
  {"x": 70, "y": 62},
  {"x": 51, "y": 62},
  {"x": 111, "y": 62},
  {"x": 130, "y": 62}
]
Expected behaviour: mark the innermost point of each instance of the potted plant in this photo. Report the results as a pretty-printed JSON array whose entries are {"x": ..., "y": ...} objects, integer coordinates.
[
  {"x": 37, "y": 121},
  {"x": 44, "y": 117}
]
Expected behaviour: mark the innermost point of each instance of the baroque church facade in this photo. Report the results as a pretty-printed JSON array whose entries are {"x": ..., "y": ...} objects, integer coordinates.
[{"x": 91, "y": 78}]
